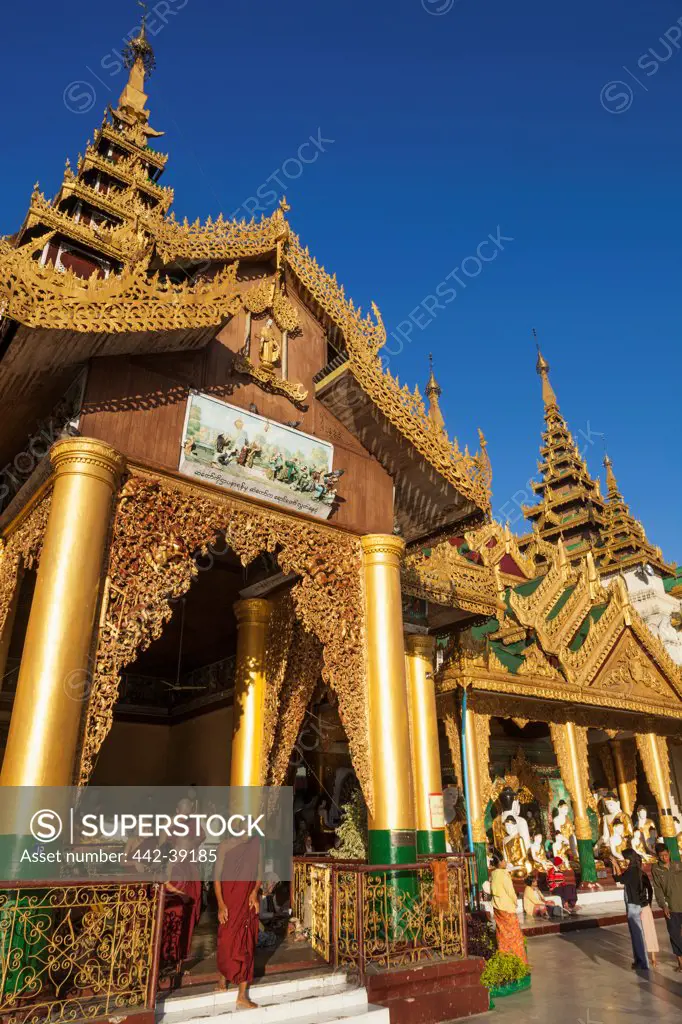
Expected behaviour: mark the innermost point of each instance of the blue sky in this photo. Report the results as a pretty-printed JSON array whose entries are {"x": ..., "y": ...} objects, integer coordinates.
[{"x": 553, "y": 126}]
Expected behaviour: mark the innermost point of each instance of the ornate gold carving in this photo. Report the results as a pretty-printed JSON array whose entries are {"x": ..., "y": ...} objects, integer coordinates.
[
  {"x": 116, "y": 241},
  {"x": 128, "y": 169},
  {"x": 267, "y": 378},
  {"x": 328, "y": 598},
  {"x": 443, "y": 575},
  {"x": 630, "y": 673},
  {"x": 219, "y": 239},
  {"x": 120, "y": 137},
  {"x": 280, "y": 636},
  {"x": 448, "y": 711},
  {"x": 302, "y": 674},
  {"x": 131, "y": 301},
  {"x": 529, "y": 778},
  {"x": 21, "y": 550},
  {"x": 536, "y": 664},
  {"x": 470, "y": 474}
]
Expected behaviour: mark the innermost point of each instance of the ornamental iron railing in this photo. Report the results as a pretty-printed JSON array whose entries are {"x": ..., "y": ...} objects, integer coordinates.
[
  {"x": 374, "y": 917},
  {"x": 78, "y": 952}
]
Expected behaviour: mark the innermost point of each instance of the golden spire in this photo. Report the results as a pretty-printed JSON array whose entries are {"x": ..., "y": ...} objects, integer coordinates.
[
  {"x": 542, "y": 368},
  {"x": 611, "y": 485},
  {"x": 138, "y": 57},
  {"x": 433, "y": 393}
]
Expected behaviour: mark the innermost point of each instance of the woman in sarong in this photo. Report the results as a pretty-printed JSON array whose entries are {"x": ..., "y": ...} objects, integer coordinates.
[
  {"x": 236, "y": 888},
  {"x": 507, "y": 927}
]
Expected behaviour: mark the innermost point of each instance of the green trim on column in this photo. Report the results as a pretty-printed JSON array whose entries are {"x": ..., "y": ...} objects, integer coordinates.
[
  {"x": 671, "y": 843},
  {"x": 430, "y": 841},
  {"x": 481, "y": 852},
  {"x": 382, "y": 851},
  {"x": 588, "y": 868},
  {"x": 404, "y": 884},
  {"x": 13, "y": 869}
]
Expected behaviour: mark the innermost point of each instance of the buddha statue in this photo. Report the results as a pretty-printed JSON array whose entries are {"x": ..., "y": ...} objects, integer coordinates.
[
  {"x": 511, "y": 808},
  {"x": 618, "y": 842},
  {"x": 561, "y": 848},
  {"x": 613, "y": 813},
  {"x": 640, "y": 839},
  {"x": 562, "y": 823},
  {"x": 514, "y": 850},
  {"x": 537, "y": 855}
]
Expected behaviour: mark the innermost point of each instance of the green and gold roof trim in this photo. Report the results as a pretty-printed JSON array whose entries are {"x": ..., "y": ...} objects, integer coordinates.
[{"x": 566, "y": 637}]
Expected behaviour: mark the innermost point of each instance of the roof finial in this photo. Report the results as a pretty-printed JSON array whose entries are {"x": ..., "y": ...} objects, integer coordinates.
[
  {"x": 433, "y": 393},
  {"x": 542, "y": 368},
  {"x": 611, "y": 485},
  {"x": 138, "y": 57}
]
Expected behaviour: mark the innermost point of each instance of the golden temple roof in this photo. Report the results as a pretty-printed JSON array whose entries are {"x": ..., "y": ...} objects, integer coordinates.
[{"x": 149, "y": 287}]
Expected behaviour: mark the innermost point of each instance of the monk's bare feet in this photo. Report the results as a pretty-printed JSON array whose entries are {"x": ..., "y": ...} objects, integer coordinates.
[
  {"x": 244, "y": 1003},
  {"x": 222, "y": 985}
]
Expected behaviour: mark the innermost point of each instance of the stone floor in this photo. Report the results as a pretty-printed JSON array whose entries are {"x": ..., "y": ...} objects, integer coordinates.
[{"x": 585, "y": 977}]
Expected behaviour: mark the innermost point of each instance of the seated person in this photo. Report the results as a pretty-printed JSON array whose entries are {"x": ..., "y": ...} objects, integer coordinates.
[
  {"x": 558, "y": 886},
  {"x": 534, "y": 903}
]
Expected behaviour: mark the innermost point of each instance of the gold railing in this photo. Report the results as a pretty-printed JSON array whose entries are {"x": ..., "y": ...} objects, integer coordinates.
[
  {"x": 76, "y": 952},
  {"x": 376, "y": 917}
]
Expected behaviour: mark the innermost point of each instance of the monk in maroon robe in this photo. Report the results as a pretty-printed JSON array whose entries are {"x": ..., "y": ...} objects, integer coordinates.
[
  {"x": 182, "y": 905},
  {"x": 236, "y": 890}
]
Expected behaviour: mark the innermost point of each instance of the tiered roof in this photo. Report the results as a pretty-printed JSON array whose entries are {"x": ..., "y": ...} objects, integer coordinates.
[
  {"x": 571, "y": 508},
  {"x": 624, "y": 543},
  {"x": 102, "y": 206},
  {"x": 572, "y": 512},
  {"x": 112, "y": 211}
]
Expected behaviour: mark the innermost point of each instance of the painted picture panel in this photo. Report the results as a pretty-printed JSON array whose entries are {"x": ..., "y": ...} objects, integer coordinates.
[{"x": 256, "y": 457}]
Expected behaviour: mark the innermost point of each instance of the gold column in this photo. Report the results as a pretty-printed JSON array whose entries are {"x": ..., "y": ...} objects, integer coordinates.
[
  {"x": 570, "y": 746},
  {"x": 626, "y": 778},
  {"x": 8, "y": 628},
  {"x": 46, "y": 718},
  {"x": 428, "y": 783},
  {"x": 389, "y": 732},
  {"x": 247, "y": 766},
  {"x": 654, "y": 753},
  {"x": 477, "y": 738}
]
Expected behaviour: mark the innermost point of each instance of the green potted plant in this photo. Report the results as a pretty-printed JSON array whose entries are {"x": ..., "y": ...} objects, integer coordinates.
[{"x": 505, "y": 973}]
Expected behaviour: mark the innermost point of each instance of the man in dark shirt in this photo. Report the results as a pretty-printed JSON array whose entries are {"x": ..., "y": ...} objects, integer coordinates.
[{"x": 666, "y": 875}]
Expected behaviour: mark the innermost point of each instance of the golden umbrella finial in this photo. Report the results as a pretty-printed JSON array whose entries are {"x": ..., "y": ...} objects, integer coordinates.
[{"x": 542, "y": 368}]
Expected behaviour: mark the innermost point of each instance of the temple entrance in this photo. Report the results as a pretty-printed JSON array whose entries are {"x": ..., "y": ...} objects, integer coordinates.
[{"x": 175, "y": 700}]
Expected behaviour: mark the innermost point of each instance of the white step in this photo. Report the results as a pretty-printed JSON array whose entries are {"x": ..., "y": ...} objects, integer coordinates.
[{"x": 317, "y": 1000}]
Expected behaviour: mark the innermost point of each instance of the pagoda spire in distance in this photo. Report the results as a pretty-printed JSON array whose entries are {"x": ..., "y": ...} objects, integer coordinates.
[
  {"x": 571, "y": 509},
  {"x": 433, "y": 393},
  {"x": 624, "y": 541}
]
